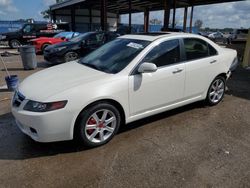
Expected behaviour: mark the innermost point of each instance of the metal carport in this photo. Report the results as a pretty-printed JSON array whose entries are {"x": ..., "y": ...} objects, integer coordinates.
[{"x": 114, "y": 8}]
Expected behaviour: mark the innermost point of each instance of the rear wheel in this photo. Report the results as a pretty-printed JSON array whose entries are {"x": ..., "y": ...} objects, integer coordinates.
[
  {"x": 14, "y": 43},
  {"x": 98, "y": 124},
  {"x": 216, "y": 91},
  {"x": 70, "y": 56}
]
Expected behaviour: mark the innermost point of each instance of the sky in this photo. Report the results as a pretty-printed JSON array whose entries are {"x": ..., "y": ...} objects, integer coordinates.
[{"x": 233, "y": 15}]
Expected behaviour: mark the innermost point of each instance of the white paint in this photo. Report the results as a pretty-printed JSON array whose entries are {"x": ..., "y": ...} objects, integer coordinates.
[{"x": 140, "y": 95}]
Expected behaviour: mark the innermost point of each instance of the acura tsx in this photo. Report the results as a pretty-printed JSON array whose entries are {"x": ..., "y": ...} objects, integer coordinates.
[{"x": 127, "y": 79}]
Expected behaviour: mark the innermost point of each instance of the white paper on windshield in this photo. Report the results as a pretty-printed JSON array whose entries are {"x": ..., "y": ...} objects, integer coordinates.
[{"x": 135, "y": 45}]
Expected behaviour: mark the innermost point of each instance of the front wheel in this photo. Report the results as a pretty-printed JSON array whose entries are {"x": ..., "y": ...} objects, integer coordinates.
[
  {"x": 98, "y": 124},
  {"x": 14, "y": 43},
  {"x": 44, "y": 46},
  {"x": 216, "y": 91},
  {"x": 70, "y": 56}
]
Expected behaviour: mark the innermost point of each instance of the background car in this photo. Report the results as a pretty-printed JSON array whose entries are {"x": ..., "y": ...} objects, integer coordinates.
[
  {"x": 127, "y": 79},
  {"x": 76, "y": 47},
  {"x": 217, "y": 37},
  {"x": 204, "y": 34},
  {"x": 42, "y": 42},
  {"x": 240, "y": 34},
  {"x": 31, "y": 31}
]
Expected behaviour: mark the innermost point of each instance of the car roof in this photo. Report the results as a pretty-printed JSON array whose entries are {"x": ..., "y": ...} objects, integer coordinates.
[{"x": 157, "y": 35}]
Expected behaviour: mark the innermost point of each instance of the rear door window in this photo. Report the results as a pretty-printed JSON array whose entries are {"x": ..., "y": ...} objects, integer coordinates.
[{"x": 195, "y": 48}]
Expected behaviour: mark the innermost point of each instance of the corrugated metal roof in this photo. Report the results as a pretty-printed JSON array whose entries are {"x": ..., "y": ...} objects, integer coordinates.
[{"x": 122, "y": 6}]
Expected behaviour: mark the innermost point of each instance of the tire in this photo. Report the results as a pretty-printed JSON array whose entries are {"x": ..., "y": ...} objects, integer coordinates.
[
  {"x": 216, "y": 91},
  {"x": 44, "y": 46},
  {"x": 97, "y": 124},
  {"x": 14, "y": 43},
  {"x": 70, "y": 56}
]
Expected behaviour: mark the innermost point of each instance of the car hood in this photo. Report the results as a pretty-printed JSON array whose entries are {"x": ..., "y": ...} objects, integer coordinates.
[
  {"x": 44, "y": 84},
  {"x": 62, "y": 44},
  {"x": 10, "y": 33}
]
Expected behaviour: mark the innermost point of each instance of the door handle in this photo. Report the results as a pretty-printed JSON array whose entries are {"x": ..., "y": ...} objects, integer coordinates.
[
  {"x": 177, "y": 70},
  {"x": 214, "y": 61}
]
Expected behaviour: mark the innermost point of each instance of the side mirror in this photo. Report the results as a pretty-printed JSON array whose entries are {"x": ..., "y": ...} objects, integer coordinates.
[
  {"x": 63, "y": 38},
  {"x": 147, "y": 68}
]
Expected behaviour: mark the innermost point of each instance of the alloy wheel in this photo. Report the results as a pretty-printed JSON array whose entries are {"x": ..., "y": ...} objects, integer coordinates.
[
  {"x": 15, "y": 44},
  {"x": 100, "y": 126},
  {"x": 216, "y": 91},
  {"x": 71, "y": 56}
]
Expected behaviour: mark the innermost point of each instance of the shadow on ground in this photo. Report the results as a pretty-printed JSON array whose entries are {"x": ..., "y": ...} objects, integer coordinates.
[
  {"x": 239, "y": 84},
  {"x": 14, "y": 145}
]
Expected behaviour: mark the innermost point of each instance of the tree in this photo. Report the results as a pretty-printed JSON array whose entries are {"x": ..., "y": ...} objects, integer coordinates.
[
  {"x": 155, "y": 21},
  {"x": 46, "y": 14},
  {"x": 198, "y": 23}
]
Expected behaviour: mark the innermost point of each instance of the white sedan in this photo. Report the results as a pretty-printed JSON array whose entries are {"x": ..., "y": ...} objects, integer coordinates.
[{"x": 130, "y": 78}]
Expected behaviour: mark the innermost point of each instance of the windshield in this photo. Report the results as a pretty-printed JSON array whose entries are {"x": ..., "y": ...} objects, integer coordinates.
[
  {"x": 79, "y": 37},
  {"x": 115, "y": 55},
  {"x": 63, "y": 34}
]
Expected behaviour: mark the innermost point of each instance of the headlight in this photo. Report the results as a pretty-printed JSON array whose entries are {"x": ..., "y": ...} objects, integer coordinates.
[
  {"x": 2, "y": 37},
  {"x": 35, "y": 106},
  {"x": 60, "y": 48}
]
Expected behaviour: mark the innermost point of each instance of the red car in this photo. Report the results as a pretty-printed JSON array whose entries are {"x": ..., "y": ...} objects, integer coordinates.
[{"x": 42, "y": 42}]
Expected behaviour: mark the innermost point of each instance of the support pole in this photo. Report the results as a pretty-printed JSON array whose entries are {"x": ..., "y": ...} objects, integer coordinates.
[
  {"x": 246, "y": 59},
  {"x": 174, "y": 12},
  {"x": 130, "y": 15},
  {"x": 146, "y": 20},
  {"x": 53, "y": 16},
  {"x": 185, "y": 19},
  {"x": 104, "y": 15},
  {"x": 90, "y": 19},
  {"x": 117, "y": 20},
  {"x": 166, "y": 14},
  {"x": 191, "y": 20},
  {"x": 73, "y": 19}
]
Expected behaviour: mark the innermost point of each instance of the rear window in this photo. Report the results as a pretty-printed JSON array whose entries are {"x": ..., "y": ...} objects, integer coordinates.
[{"x": 195, "y": 48}]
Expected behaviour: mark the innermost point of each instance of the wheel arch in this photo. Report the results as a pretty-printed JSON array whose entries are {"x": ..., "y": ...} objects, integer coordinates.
[
  {"x": 224, "y": 75},
  {"x": 110, "y": 101},
  {"x": 45, "y": 43}
]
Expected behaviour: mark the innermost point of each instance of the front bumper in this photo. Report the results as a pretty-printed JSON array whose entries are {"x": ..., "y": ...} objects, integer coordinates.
[
  {"x": 44, "y": 127},
  {"x": 3, "y": 38},
  {"x": 54, "y": 58}
]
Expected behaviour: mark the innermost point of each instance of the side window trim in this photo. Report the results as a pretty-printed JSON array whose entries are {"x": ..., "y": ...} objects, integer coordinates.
[
  {"x": 209, "y": 50},
  {"x": 182, "y": 48}
]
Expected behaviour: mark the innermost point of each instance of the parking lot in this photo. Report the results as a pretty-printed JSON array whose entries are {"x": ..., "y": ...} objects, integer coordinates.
[{"x": 192, "y": 146}]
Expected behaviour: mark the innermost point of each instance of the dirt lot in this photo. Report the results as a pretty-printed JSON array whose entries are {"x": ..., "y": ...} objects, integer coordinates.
[{"x": 193, "y": 146}]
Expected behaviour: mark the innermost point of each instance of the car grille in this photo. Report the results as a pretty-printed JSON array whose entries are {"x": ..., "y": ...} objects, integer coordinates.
[{"x": 18, "y": 99}]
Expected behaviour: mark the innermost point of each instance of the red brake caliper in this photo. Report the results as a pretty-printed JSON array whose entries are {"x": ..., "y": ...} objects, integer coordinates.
[{"x": 91, "y": 121}]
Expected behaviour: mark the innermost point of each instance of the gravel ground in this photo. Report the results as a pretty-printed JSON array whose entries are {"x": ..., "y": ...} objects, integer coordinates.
[{"x": 192, "y": 146}]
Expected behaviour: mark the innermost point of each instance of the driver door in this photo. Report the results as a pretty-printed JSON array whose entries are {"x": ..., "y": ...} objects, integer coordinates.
[
  {"x": 152, "y": 91},
  {"x": 29, "y": 32}
]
